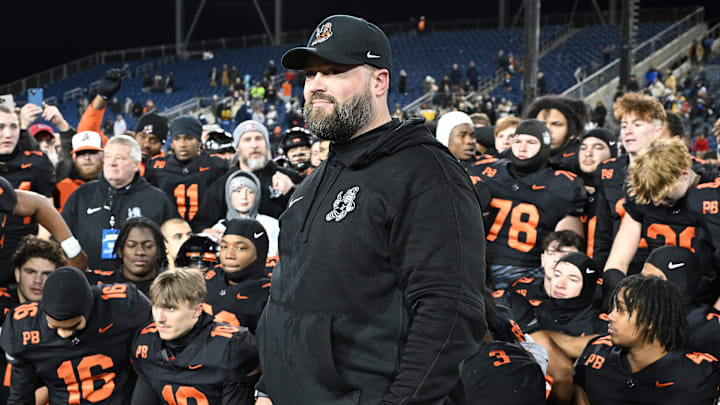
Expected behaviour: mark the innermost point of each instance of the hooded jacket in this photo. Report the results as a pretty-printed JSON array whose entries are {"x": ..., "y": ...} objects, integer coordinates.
[
  {"x": 270, "y": 224},
  {"x": 377, "y": 295},
  {"x": 96, "y": 206}
]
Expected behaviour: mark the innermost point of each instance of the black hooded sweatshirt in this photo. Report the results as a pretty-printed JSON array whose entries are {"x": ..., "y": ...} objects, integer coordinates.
[{"x": 377, "y": 295}]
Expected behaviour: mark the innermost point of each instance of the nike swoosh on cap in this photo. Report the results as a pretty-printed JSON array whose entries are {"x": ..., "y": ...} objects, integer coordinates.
[{"x": 369, "y": 55}]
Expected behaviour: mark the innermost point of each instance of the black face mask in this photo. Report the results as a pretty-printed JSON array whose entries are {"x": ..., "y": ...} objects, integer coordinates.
[{"x": 523, "y": 167}]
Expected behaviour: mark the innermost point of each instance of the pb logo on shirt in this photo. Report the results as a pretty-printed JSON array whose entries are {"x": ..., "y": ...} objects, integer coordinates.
[{"x": 343, "y": 205}]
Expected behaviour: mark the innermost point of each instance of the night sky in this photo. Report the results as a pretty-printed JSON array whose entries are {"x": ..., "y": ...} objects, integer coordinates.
[{"x": 43, "y": 34}]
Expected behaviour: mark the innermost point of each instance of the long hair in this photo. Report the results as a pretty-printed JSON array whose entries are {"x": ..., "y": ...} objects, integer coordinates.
[{"x": 659, "y": 308}]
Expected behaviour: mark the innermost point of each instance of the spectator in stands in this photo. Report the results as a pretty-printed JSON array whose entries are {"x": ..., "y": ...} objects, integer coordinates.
[
  {"x": 651, "y": 75},
  {"x": 455, "y": 76},
  {"x": 286, "y": 92},
  {"x": 96, "y": 209},
  {"x": 169, "y": 83},
  {"x": 670, "y": 81},
  {"x": 214, "y": 77},
  {"x": 472, "y": 74},
  {"x": 608, "y": 49},
  {"x": 501, "y": 61},
  {"x": 512, "y": 65},
  {"x": 147, "y": 82},
  {"x": 137, "y": 109},
  {"x": 120, "y": 125},
  {"x": 402, "y": 82},
  {"x": 701, "y": 146},
  {"x": 699, "y": 52},
  {"x": 128, "y": 106},
  {"x": 271, "y": 118},
  {"x": 82, "y": 104},
  {"x": 108, "y": 126},
  {"x": 46, "y": 140},
  {"x": 149, "y": 106},
  {"x": 225, "y": 76},
  {"x": 233, "y": 75},
  {"x": 428, "y": 84},
  {"x": 115, "y": 106},
  {"x": 541, "y": 85},
  {"x": 86, "y": 163},
  {"x": 422, "y": 25},
  {"x": 657, "y": 88},
  {"x": 599, "y": 114},
  {"x": 633, "y": 85},
  {"x": 158, "y": 83},
  {"x": 253, "y": 155}
]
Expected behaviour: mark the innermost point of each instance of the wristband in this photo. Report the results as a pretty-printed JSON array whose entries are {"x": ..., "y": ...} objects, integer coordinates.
[
  {"x": 71, "y": 247},
  {"x": 260, "y": 394}
]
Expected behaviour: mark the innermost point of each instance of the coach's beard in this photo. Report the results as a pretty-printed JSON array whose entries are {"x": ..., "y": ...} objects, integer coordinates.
[{"x": 343, "y": 121}]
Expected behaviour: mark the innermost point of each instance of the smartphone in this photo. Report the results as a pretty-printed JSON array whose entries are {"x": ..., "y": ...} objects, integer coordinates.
[
  {"x": 7, "y": 100},
  {"x": 35, "y": 96}
]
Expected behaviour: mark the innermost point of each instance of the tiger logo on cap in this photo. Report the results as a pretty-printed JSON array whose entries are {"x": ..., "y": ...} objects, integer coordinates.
[{"x": 322, "y": 33}]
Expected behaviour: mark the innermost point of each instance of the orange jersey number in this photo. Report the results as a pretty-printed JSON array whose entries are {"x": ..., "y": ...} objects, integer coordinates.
[
  {"x": 181, "y": 396},
  {"x": 86, "y": 384},
  {"x": 191, "y": 196},
  {"x": 524, "y": 219}
]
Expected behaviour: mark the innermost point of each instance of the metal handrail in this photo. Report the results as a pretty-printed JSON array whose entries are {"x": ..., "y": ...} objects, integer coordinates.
[{"x": 604, "y": 75}]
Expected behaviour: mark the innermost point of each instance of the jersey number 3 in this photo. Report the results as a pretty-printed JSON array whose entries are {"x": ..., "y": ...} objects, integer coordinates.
[
  {"x": 524, "y": 219},
  {"x": 87, "y": 381}
]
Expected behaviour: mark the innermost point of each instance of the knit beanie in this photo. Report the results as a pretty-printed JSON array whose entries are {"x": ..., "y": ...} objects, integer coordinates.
[
  {"x": 250, "y": 126},
  {"x": 67, "y": 294},
  {"x": 447, "y": 122}
]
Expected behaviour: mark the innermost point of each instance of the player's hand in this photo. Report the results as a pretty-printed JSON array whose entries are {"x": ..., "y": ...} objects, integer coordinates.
[
  {"x": 263, "y": 401},
  {"x": 110, "y": 84},
  {"x": 29, "y": 113},
  {"x": 215, "y": 233},
  {"x": 282, "y": 182},
  {"x": 52, "y": 114}
]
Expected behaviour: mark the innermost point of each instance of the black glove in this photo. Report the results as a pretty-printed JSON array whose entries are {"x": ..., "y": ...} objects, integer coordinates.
[{"x": 110, "y": 84}]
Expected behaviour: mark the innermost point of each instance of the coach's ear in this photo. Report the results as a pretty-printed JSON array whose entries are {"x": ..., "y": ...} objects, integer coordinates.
[{"x": 17, "y": 275}]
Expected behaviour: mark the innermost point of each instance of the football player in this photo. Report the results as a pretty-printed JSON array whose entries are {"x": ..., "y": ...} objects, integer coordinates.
[
  {"x": 185, "y": 175},
  {"x": 184, "y": 356},
  {"x": 75, "y": 341}
]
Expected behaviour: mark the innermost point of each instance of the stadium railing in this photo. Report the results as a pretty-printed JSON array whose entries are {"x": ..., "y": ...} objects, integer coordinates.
[{"x": 598, "y": 79}]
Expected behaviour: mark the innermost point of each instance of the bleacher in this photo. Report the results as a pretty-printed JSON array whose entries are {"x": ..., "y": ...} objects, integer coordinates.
[
  {"x": 420, "y": 55},
  {"x": 583, "y": 49}
]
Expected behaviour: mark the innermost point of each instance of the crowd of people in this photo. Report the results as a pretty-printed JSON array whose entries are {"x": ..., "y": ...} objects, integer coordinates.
[{"x": 363, "y": 256}]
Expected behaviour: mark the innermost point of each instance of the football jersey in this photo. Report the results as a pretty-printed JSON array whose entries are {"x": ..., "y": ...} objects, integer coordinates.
[
  {"x": 214, "y": 365},
  {"x": 524, "y": 210},
  {"x": 8, "y": 201},
  {"x": 96, "y": 277},
  {"x": 185, "y": 183},
  {"x": 567, "y": 157},
  {"x": 679, "y": 377},
  {"x": 499, "y": 373},
  {"x": 704, "y": 324},
  {"x": 29, "y": 171},
  {"x": 8, "y": 300},
  {"x": 237, "y": 305},
  {"x": 678, "y": 225},
  {"x": 92, "y": 366}
]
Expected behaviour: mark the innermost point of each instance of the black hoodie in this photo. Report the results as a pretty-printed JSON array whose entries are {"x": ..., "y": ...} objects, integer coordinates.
[
  {"x": 377, "y": 296},
  {"x": 96, "y": 206}
]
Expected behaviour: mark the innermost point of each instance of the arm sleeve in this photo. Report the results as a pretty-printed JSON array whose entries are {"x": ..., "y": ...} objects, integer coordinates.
[
  {"x": 439, "y": 260},
  {"x": 212, "y": 207},
  {"x": 92, "y": 121},
  {"x": 143, "y": 393},
  {"x": 23, "y": 382},
  {"x": 65, "y": 164},
  {"x": 603, "y": 230}
]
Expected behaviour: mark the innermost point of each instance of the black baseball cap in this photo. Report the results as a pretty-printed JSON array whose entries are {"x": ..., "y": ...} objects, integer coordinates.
[{"x": 345, "y": 40}]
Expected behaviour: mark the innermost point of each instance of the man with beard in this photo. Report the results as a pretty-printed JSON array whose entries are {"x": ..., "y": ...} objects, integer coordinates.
[
  {"x": 368, "y": 304},
  {"x": 252, "y": 154},
  {"x": 152, "y": 129},
  {"x": 87, "y": 158}
]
